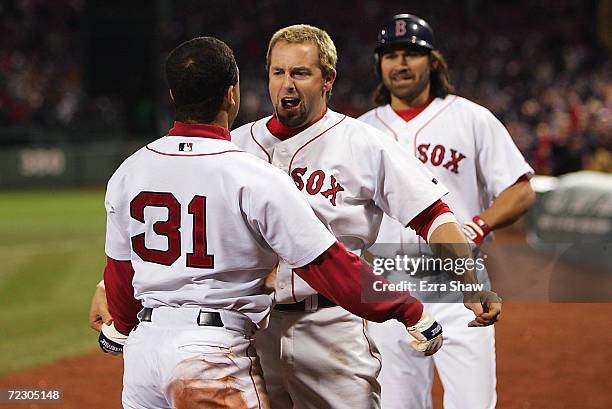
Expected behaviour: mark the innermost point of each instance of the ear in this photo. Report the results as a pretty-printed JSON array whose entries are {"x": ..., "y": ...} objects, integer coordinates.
[
  {"x": 329, "y": 80},
  {"x": 229, "y": 100}
]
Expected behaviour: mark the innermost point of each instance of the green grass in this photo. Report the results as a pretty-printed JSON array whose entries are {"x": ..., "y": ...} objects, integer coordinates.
[{"x": 51, "y": 257}]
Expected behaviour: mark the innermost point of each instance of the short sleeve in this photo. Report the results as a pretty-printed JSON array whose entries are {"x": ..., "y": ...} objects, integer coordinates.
[
  {"x": 286, "y": 222},
  {"x": 117, "y": 244},
  {"x": 499, "y": 162},
  {"x": 403, "y": 186}
]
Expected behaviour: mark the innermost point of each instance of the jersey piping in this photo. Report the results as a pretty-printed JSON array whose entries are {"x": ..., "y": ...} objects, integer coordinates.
[
  {"x": 193, "y": 154},
  {"x": 259, "y": 144},
  {"x": 311, "y": 140}
]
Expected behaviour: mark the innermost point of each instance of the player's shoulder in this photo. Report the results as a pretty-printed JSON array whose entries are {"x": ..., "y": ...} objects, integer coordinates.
[
  {"x": 132, "y": 160},
  {"x": 362, "y": 132},
  {"x": 369, "y": 116},
  {"x": 356, "y": 128},
  {"x": 468, "y": 107},
  {"x": 242, "y": 130},
  {"x": 244, "y": 133},
  {"x": 123, "y": 171}
]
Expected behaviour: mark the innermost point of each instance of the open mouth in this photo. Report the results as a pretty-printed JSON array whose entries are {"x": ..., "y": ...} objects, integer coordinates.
[
  {"x": 402, "y": 76},
  {"x": 290, "y": 102}
]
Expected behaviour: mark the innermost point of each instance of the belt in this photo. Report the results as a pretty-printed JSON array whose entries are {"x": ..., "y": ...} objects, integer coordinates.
[
  {"x": 301, "y": 306},
  {"x": 205, "y": 318},
  {"x": 185, "y": 317}
]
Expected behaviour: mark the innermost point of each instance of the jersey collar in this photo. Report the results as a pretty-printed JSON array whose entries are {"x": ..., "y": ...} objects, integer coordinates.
[
  {"x": 199, "y": 131},
  {"x": 409, "y": 113},
  {"x": 283, "y": 133},
  {"x": 398, "y": 125}
]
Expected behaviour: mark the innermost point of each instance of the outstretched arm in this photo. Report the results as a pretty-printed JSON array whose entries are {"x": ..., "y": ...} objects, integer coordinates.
[{"x": 345, "y": 279}]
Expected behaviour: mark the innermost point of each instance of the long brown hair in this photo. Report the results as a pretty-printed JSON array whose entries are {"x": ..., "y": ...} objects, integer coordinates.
[{"x": 439, "y": 78}]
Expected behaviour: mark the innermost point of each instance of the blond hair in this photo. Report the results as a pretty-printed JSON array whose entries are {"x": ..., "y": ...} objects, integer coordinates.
[{"x": 301, "y": 33}]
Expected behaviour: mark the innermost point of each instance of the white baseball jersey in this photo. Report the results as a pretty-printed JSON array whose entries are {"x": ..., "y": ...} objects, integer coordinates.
[
  {"x": 351, "y": 174},
  {"x": 464, "y": 145},
  {"x": 467, "y": 148},
  {"x": 203, "y": 221}
]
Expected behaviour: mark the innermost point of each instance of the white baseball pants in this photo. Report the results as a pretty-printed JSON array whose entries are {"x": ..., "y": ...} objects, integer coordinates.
[
  {"x": 465, "y": 363},
  {"x": 172, "y": 362},
  {"x": 319, "y": 360}
]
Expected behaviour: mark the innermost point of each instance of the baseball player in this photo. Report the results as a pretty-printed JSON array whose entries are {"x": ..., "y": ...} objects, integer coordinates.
[
  {"x": 471, "y": 152},
  {"x": 315, "y": 354},
  {"x": 194, "y": 225}
]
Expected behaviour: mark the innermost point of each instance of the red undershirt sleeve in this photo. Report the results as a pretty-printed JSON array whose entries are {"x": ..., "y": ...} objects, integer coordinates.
[
  {"x": 423, "y": 221},
  {"x": 122, "y": 305},
  {"x": 345, "y": 278}
]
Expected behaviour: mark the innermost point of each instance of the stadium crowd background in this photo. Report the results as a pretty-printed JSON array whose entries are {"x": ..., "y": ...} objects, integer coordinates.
[{"x": 542, "y": 67}]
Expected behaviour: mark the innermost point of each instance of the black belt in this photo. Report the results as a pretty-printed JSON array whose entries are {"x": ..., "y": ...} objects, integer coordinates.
[
  {"x": 205, "y": 318},
  {"x": 322, "y": 302}
]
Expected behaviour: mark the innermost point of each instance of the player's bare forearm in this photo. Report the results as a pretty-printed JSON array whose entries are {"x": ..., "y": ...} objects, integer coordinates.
[
  {"x": 448, "y": 241},
  {"x": 511, "y": 204}
]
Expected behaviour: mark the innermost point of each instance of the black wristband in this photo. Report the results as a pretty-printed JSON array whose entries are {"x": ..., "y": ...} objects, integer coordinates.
[{"x": 108, "y": 345}]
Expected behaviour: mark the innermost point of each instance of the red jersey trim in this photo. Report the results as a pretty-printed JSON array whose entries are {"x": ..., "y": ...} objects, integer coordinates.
[
  {"x": 365, "y": 335},
  {"x": 423, "y": 221},
  {"x": 293, "y": 287},
  {"x": 258, "y": 144},
  {"x": 311, "y": 140},
  {"x": 410, "y": 113},
  {"x": 195, "y": 154},
  {"x": 199, "y": 131},
  {"x": 283, "y": 133}
]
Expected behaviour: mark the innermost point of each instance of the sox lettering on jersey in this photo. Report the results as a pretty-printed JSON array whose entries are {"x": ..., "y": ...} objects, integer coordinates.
[
  {"x": 437, "y": 155},
  {"x": 314, "y": 183}
]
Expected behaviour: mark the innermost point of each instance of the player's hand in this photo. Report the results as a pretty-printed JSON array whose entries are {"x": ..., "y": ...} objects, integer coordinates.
[
  {"x": 476, "y": 230},
  {"x": 110, "y": 340},
  {"x": 486, "y": 306},
  {"x": 428, "y": 335},
  {"x": 269, "y": 285},
  {"x": 98, "y": 311}
]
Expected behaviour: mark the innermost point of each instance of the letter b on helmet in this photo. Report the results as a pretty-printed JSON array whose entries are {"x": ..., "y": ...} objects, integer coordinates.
[{"x": 405, "y": 29}]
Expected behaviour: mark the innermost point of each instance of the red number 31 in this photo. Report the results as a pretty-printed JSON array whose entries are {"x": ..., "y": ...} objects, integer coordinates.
[{"x": 170, "y": 229}]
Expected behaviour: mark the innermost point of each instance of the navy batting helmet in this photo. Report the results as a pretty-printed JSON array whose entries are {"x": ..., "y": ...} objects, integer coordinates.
[{"x": 405, "y": 29}]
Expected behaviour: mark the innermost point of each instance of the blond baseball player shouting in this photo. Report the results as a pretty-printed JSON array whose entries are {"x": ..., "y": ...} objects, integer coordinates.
[
  {"x": 194, "y": 225},
  {"x": 315, "y": 354},
  {"x": 471, "y": 152}
]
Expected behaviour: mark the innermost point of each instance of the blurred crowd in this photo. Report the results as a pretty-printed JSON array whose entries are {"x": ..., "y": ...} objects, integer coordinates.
[
  {"x": 42, "y": 72},
  {"x": 539, "y": 65},
  {"x": 40, "y": 69}
]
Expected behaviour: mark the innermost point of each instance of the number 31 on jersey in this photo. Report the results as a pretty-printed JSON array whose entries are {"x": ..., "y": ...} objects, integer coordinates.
[{"x": 170, "y": 229}]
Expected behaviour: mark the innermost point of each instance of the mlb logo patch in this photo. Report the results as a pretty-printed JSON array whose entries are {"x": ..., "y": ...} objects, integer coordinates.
[{"x": 185, "y": 147}]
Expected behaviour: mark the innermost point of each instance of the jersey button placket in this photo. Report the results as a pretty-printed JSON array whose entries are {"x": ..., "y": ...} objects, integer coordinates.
[{"x": 281, "y": 158}]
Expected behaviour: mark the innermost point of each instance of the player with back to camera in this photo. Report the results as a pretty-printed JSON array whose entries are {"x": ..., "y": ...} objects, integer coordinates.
[
  {"x": 471, "y": 152},
  {"x": 194, "y": 226}
]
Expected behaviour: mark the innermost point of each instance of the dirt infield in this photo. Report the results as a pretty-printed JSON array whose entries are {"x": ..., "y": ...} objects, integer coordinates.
[{"x": 548, "y": 356}]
